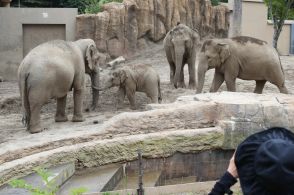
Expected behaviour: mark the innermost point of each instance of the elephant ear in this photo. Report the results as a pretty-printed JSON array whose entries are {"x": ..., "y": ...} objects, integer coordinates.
[
  {"x": 167, "y": 39},
  {"x": 224, "y": 51},
  {"x": 90, "y": 52},
  {"x": 196, "y": 39},
  {"x": 195, "y": 36}
]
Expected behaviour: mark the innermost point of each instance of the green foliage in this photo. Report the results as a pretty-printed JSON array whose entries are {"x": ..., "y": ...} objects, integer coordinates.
[
  {"x": 214, "y": 2},
  {"x": 36, "y": 3},
  {"x": 94, "y": 6},
  {"x": 280, "y": 10},
  {"x": 80, "y": 4},
  {"x": 84, "y": 6},
  {"x": 217, "y": 2},
  {"x": 78, "y": 191},
  {"x": 108, "y": 193},
  {"x": 50, "y": 186}
]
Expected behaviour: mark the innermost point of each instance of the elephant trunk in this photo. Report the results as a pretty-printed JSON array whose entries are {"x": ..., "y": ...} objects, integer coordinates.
[
  {"x": 95, "y": 89},
  {"x": 202, "y": 68},
  {"x": 106, "y": 82},
  {"x": 179, "y": 52}
]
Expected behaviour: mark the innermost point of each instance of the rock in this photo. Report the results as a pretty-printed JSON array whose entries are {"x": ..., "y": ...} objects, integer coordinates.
[
  {"x": 1, "y": 79},
  {"x": 193, "y": 123},
  {"x": 115, "y": 47},
  {"x": 121, "y": 27}
]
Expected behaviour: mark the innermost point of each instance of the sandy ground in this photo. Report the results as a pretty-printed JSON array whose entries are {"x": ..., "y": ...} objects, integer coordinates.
[{"x": 10, "y": 107}]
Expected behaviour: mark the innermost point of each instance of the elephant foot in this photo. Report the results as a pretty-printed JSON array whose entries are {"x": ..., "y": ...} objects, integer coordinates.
[
  {"x": 61, "y": 118},
  {"x": 119, "y": 106},
  {"x": 35, "y": 129},
  {"x": 133, "y": 107},
  {"x": 78, "y": 118},
  {"x": 192, "y": 86},
  {"x": 181, "y": 85}
]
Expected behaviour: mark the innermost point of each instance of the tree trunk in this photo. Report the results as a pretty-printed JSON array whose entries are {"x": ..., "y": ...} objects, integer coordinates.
[
  {"x": 278, "y": 21},
  {"x": 237, "y": 18}
]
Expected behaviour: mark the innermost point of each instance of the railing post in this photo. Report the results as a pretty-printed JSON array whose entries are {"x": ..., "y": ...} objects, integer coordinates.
[{"x": 140, "y": 190}]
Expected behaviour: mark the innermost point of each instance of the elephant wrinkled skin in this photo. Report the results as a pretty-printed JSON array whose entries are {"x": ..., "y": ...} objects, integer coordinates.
[
  {"x": 52, "y": 69},
  {"x": 180, "y": 46},
  {"x": 241, "y": 57},
  {"x": 132, "y": 78}
]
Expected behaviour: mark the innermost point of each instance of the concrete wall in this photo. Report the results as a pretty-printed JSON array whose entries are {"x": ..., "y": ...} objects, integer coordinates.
[
  {"x": 12, "y": 21},
  {"x": 256, "y": 24}
]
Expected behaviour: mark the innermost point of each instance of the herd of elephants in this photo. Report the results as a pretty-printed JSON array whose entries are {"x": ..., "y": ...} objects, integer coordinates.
[{"x": 53, "y": 68}]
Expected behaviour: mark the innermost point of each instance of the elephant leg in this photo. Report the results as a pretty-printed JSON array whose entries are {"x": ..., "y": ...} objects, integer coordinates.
[
  {"x": 34, "y": 124},
  {"x": 231, "y": 83},
  {"x": 153, "y": 95},
  {"x": 78, "y": 104},
  {"x": 172, "y": 69},
  {"x": 218, "y": 80},
  {"x": 60, "y": 115},
  {"x": 121, "y": 93},
  {"x": 259, "y": 86},
  {"x": 191, "y": 68},
  {"x": 172, "y": 66},
  {"x": 283, "y": 89},
  {"x": 182, "y": 78},
  {"x": 131, "y": 97}
]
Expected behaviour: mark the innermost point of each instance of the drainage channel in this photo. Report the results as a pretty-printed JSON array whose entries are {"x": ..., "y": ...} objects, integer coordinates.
[{"x": 177, "y": 169}]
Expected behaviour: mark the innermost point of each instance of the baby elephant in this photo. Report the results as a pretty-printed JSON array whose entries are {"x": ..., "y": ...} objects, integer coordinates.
[{"x": 132, "y": 78}]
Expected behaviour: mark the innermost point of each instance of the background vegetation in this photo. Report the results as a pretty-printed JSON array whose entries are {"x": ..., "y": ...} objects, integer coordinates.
[{"x": 84, "y": 6}]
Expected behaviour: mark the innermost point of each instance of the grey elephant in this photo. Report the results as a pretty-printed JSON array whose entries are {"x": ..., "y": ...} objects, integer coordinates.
[
  {"x": 180, "y": 45},
  {"x": 241, "y": 57},
  {"x": 132, "y": 78},
  {"x": 52, "y": 69}
]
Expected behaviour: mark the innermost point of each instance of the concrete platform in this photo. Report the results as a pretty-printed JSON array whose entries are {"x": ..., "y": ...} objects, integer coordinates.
[
  {"x": 94, "y": 179},
  {"x": 59, "y": 174}
]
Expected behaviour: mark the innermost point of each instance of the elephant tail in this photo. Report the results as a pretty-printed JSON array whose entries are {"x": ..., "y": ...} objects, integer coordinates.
[
  {"x": 25, "y": 99},
  {"x": 159, "y": 91},
  {"x": 277, "y": 52}
]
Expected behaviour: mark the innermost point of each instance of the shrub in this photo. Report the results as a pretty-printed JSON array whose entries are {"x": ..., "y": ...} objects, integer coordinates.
[{"x": 94, "y": 6}]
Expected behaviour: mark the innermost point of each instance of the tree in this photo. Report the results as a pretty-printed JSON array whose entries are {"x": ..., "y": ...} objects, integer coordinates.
[
  {"x": 84, "y": 6},
  {"x": 279, "y": 11},
  {"x": 237, "y": 18}
]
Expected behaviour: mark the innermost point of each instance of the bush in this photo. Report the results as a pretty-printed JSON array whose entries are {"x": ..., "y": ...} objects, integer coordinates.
[
  {"x": 94, "y": 6},
  {"x": 214, "y": 2}
]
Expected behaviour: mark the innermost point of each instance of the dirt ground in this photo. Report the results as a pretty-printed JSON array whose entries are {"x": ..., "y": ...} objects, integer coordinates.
[{"x": 10, "y": 106}]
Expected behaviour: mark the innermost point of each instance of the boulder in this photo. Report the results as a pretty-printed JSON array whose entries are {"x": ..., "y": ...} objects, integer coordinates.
[{"x": 121, "y": 27}]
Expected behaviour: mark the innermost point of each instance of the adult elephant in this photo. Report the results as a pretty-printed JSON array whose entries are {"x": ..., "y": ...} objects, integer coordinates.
[
  {"x": 180, "y": 46},
  {"x": 52, "y": 69},
  {"x": 241, "y": 57}
]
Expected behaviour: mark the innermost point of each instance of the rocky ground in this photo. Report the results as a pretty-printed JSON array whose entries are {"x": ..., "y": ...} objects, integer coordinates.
[
  {"x": 10, "y": 105},
  {"x": 11, "y": 128}
]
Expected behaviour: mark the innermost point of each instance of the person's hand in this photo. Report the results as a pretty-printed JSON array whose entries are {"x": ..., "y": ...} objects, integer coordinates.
[{"x": 232, "y": 169}]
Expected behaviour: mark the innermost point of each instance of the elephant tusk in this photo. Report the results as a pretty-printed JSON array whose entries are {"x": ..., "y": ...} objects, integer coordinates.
[{"x": 97, "y": 88}]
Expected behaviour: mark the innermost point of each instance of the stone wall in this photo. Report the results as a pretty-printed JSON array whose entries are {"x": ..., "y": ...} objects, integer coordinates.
[
  {"x": 192, "y": 124},
  {"x": 13, "y": 42},
  {"x": 122, "y": 28}
]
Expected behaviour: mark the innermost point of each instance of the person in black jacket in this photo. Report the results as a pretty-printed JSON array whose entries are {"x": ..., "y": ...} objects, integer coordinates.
[{"x": 264, "y": 164}]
